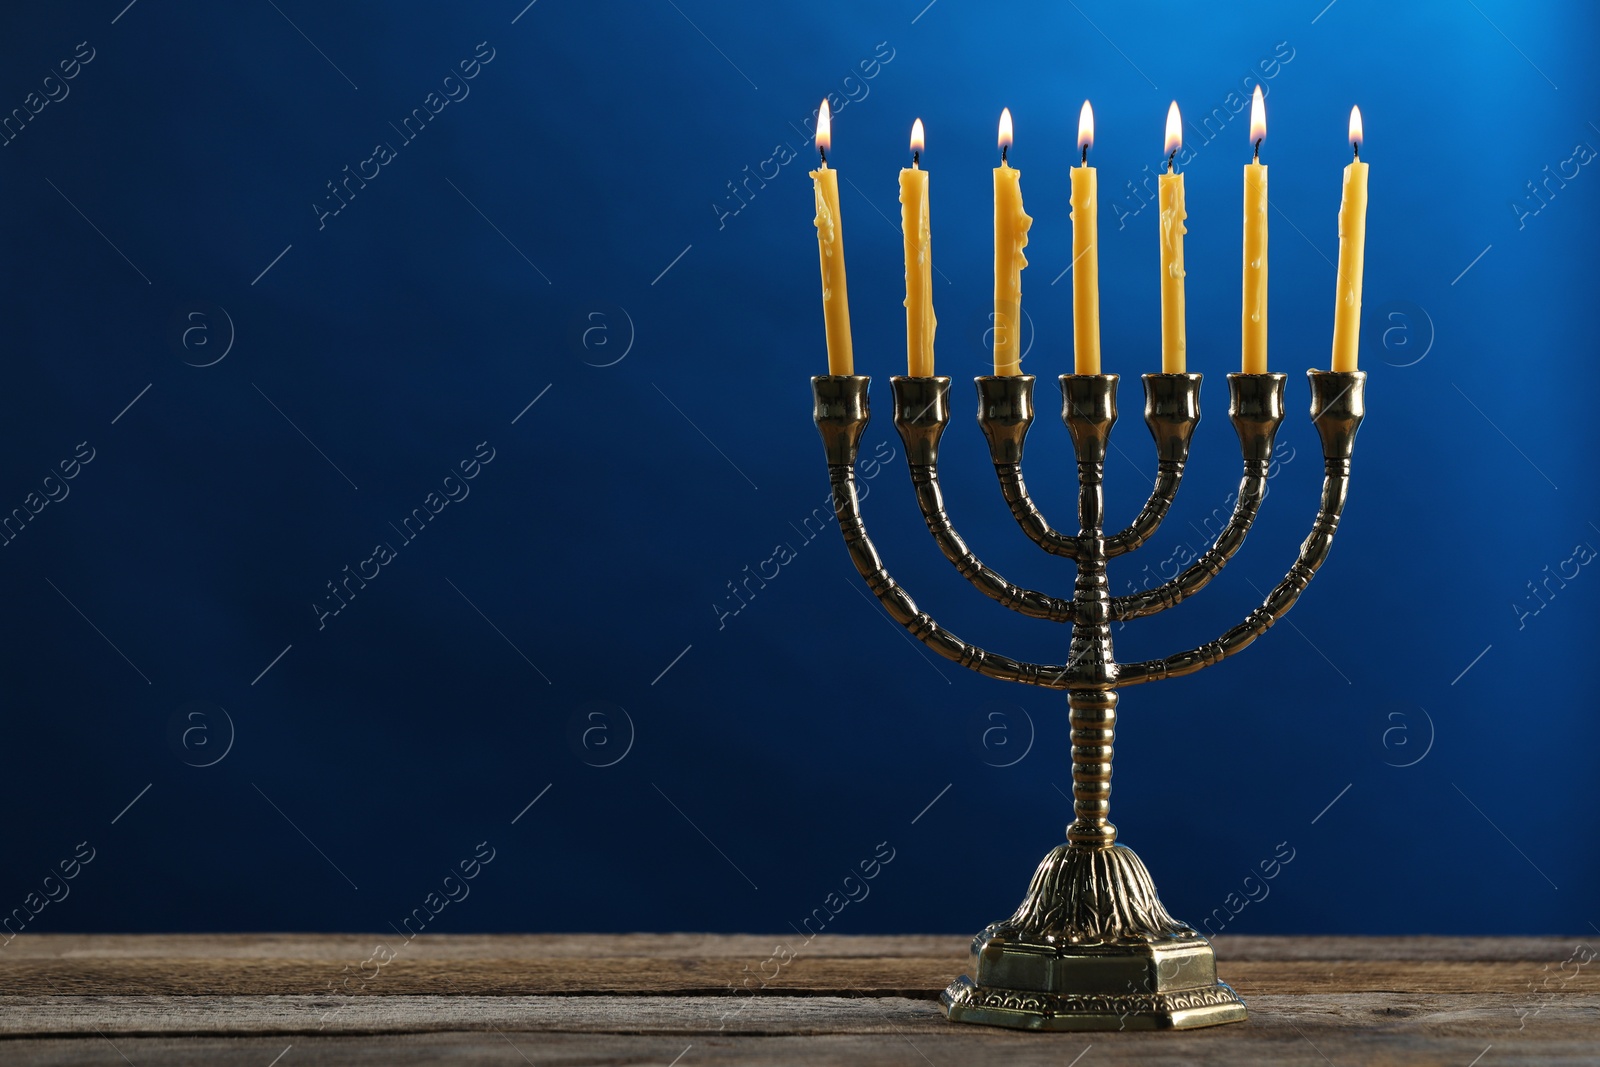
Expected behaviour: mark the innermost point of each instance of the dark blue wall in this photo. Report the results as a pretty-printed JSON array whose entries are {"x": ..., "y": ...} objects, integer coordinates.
[{"x": 304, "y": 370}]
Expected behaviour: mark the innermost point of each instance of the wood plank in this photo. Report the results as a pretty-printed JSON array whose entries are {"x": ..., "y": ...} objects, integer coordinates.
[
  {"x": 708, "y": 965},
  {"x": 1198, "y": 1049},
  {"x": 1441, "y": 1029},
  {"x": 858, "y": 976},
  {"x": 1440, "y": 1013},
  {"x": 344, "y": 947},
  {"x": 1550, "y": 949},
  {"x": 511, "y": 999}
]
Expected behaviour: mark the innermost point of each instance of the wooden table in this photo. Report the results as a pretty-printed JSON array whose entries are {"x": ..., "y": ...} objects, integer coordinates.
[{"x": 294, "y": 1000}]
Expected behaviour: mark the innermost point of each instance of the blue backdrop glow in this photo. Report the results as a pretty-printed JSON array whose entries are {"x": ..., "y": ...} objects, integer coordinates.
[{"x": 543, "y": 280}]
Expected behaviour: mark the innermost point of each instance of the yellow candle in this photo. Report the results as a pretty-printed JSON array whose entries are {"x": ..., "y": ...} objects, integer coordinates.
[
  {"x": 1010, "y": 238},
  {"x": 1352, "y": 254},
  {"x": 1254, "y": 319},
  {"x": 920, "y": 322},
  {"x": 1169, "y": 189},
  {"x": 830, "y": 244},
  {"x": 1085, "y": 254}
]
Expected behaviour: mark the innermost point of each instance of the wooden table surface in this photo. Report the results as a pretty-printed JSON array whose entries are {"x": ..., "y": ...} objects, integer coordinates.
[{"x": 291, "y": 1000}]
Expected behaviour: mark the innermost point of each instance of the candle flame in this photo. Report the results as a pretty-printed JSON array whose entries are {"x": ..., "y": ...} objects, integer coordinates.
[
  {"x": 1005, "y": 127},
  {"x": 1086, "y": 127},
  {"x": 1258, "y": 118},
  {"x": 1355, "y": 126},
  {"x": 1174, "y": 131},
  {"x": 918, "y": 139},
  {"x": 824, "y": 127}
]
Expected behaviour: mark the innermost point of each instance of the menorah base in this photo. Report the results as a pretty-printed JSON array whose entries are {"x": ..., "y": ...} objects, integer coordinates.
[{"x": 1091, "y": 948}]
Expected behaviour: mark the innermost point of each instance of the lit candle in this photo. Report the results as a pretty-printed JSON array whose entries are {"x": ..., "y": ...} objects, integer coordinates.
[
  {"x": 830, "y": 243},
  {"x": 1352, "y": 253},
  {"x": 1085, "y": 254},
  {"x": 920, "y": 322},
  {"x": 1010, "y": 238},
  {"x": 1174, "y": 346},
  {"x": 1254, "y": 318}
]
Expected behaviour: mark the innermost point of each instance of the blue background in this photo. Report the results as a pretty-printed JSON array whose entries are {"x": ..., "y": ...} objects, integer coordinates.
[{"x": 569, "y": 234}]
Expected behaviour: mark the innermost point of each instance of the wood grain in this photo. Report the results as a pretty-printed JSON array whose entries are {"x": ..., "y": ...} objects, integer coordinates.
[
  {"x": 514, "y": 999},
  {"x": 717, "y": 946}
]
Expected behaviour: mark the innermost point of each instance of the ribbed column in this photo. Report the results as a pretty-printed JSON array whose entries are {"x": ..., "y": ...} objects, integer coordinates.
[{"x": 1094, "y": 726}]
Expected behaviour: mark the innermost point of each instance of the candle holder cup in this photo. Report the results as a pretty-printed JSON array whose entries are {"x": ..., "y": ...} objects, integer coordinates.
[{"x": 1090, "y": 947}]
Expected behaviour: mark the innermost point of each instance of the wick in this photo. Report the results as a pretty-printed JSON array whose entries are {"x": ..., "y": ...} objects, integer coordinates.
[
  {"x": 1169, "y": 160},
  {"x": 1083, "y": 161},
  {"x": 916, "y": 159},
  {"x": 1258, "y": 150},
  {"x": 1003, "y": 149},
  {"x": 1356, "y": 147},
  {"x": 822, "y": 154}
]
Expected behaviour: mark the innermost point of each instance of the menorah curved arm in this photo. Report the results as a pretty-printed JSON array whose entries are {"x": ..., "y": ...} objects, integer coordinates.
[
  {"x": 1338, "y": 404},
  {"x": 1171, "y": 410},
  {"x": 1005, "y": 411},
  {"x": 1256, "y": 408},
  {"x": 921, "y": 413},
  {"x": 1169, "y": 475},
  {"x": 841, "y": 415}
]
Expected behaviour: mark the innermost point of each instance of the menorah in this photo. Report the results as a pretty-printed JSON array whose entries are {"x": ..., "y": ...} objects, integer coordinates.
[{"x": 1091, "y": 947}]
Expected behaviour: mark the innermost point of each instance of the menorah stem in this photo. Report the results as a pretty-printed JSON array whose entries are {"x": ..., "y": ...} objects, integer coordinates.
[
  {"x": 1092, "y": 659},
  {"x": 1089, "y": 409},
  {"x": 1093, "y": 714},
  {"x": 1091, "y": 600},
  {"x": 1091, "y": 497}
]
